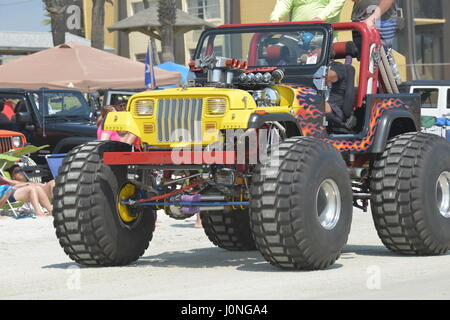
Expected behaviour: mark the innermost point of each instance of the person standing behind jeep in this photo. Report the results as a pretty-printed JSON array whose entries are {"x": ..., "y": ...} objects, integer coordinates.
[
  {"x": 381, "y": 14},
  {"x": 307, "y": 10},
  {"x": 103, "y": 134}
]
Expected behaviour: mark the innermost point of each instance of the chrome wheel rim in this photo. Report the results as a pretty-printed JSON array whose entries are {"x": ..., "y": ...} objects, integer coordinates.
[
  {"x": 443, "y": 194},
  {"x": 328, "y": 204}
]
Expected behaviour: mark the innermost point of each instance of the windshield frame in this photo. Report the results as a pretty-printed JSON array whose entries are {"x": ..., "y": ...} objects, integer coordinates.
[{"x": 278, "y": 28}]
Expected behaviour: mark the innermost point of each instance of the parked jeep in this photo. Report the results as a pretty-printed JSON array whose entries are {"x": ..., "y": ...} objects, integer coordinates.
[
  {"x": 435, "y": 104},
  {"x": 435, "y": 96},
  {"x": 59, "y": 118}
]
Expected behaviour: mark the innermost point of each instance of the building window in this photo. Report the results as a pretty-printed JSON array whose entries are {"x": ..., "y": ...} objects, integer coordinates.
[
  {"x": 141, "y": 57},
  {"x": 429, "y": 51},
  {"x": 205, "y": 9},
  {"x": 428, "y": 9}
]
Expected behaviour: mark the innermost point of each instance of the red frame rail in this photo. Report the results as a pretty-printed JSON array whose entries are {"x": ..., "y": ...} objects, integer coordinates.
[{"x": 176, "y": 157}]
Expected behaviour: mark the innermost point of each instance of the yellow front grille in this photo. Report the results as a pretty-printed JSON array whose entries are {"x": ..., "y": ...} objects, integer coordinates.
[{"x": 180, "y": 120}]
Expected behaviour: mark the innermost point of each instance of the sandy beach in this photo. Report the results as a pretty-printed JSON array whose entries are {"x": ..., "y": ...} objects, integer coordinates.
[{"x": 181, "y": 264}]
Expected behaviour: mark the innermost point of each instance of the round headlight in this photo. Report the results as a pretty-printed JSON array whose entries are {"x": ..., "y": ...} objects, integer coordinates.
[
  {"x": 271, "y": 97},
  {"x": 243, "y": 78},
  {"x": 17, "y": 142},
  {"x": 259, "y": 77},
  {"x": 251, "y": 78},
  {"x": 267, "y": 77}
]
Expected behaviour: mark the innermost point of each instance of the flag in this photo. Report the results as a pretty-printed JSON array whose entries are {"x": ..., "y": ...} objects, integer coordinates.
[{"x": 150, "y": 80}]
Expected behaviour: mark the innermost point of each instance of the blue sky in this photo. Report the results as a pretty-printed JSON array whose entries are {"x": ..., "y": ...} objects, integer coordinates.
[{"x": 22, "y": 15}]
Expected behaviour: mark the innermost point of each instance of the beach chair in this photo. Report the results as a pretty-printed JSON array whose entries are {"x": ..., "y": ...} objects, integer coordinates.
[
  {"x": 54, "y": 162},
  {"x": 7, "y": 160}
]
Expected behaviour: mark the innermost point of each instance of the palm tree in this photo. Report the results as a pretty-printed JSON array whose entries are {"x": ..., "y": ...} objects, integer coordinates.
[
  {"x": 152, "y": 40},
  {"x": 56, "y": 9},
  {"x": 48, "y": 20},
  {"x": 98, "y": 23},
  {"x": 167, "y": 15}
]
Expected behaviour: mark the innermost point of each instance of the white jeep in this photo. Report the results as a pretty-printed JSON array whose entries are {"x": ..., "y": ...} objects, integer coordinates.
[{"x": 435, "y": 96}]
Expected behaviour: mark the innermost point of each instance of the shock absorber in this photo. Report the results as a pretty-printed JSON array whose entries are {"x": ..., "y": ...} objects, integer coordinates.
[{"x": 394, "y": 67}]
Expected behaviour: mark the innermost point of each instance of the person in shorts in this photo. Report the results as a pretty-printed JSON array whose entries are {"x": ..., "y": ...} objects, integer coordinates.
[
  {"x": 27, "y": 193},
  {"x": 380, "y": 14}
]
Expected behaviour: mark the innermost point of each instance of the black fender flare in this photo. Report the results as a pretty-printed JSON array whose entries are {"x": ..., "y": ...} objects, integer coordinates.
[
  {"x": 385, "y": 125},
  {"x": 257, "y": 120},
  {"x": 71, "y": 142}
]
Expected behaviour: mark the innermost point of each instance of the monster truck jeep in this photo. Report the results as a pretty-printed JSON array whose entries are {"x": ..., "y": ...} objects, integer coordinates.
[{"x": 248, "y": 145}]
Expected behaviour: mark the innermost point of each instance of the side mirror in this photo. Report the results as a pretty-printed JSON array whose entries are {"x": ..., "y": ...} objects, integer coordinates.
[{"x": 23, "y": 117}]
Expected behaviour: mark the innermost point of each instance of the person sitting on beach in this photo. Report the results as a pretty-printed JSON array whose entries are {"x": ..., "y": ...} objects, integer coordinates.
[
  {"x": 18, "y": 179},
  {"x": 26, "y": 193}
]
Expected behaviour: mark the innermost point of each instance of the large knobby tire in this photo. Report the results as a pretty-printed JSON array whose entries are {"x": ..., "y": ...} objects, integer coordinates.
[
  {"x": 86, "y": 218},
  {"x": 410, "y": 182},
  {"x": 288, "y": 210},
  {"x": 229, "y": 230}
]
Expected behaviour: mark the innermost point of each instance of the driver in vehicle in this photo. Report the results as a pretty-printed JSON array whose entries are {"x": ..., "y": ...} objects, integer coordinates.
[
  {"x": 337, "y": 80},
  {"x": 314, "y": 50}
]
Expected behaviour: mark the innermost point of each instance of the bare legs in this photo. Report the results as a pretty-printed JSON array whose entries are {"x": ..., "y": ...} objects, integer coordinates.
[
  {"x": 37, "y": 196},
  {"x": 48, "y": 188},
  {"x": 128, "y": 137}
]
